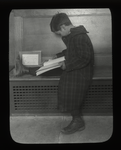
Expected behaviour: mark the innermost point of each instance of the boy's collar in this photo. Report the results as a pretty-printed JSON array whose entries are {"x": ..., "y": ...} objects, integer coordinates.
[{"x": 76, "y": 30}]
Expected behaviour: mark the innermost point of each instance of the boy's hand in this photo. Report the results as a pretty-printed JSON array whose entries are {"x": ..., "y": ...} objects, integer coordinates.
[
  {"x": 54, "y": 57},
  {"x": 62, "y": 65}
]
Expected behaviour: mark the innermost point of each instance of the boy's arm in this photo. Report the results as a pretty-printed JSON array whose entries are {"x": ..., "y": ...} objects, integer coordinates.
[
  {"x": 61, "y": 53},
  {"x": 83, "y": 54}
]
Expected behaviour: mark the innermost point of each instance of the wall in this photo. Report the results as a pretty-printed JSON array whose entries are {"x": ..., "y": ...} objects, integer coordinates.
[{"x": 29, "y": 30}]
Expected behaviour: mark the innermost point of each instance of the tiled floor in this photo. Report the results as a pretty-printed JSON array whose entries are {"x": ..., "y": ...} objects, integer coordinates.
[{"x": 46, "y": 129}]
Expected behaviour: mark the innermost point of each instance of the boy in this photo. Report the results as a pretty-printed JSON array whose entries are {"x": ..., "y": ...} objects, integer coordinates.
[{"x": 78, "y": 69}]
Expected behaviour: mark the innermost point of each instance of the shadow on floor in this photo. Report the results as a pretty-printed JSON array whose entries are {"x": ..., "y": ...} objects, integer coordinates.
[{"x": 46, "y": 129}]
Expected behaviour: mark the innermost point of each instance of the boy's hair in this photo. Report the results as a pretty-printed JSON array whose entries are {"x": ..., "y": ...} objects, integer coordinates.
[{"x": 58, "y": 20}]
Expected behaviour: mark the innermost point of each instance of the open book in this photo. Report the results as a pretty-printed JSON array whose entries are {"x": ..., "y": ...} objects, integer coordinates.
[{"x": 49, "y": 65}]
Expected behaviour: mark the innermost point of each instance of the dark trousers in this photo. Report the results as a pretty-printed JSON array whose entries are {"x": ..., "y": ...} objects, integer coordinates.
[{"x": 76, "y": 113}]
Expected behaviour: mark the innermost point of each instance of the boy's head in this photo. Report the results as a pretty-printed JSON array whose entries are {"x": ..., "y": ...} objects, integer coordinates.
[{"x": 60, "y": 24}]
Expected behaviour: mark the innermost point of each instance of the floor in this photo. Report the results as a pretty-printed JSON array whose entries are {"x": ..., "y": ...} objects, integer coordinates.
[{"x": 46, "y": 129}]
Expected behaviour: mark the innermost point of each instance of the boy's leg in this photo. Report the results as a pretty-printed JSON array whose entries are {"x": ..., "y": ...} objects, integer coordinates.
[{"x": 76, "y": 113}]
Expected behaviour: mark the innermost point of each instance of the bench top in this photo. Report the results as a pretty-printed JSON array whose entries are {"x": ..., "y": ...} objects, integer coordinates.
[{"x": 99, "y": 73}]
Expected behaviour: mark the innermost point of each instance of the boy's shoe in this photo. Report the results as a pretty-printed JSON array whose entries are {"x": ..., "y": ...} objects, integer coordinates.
[{"x": 77, "y": 124}]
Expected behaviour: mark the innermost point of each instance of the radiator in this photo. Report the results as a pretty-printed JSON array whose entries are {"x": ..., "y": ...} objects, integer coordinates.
[{"x": 37, "y": 97}]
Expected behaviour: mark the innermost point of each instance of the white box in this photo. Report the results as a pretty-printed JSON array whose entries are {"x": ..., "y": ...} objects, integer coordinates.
[{"x": 31, "y": 58}]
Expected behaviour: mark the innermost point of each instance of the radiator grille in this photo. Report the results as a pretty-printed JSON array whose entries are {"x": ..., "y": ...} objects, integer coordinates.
[
  {"x": 99, "y": 99},
  {"x": 26, "y": 97},
  {"x": 35, "y": 97}
]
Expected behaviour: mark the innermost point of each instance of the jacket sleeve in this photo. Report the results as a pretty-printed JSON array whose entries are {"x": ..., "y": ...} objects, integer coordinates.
[
  {"x": 61, "y": 53},
  {"x": 82, "y": 53}
]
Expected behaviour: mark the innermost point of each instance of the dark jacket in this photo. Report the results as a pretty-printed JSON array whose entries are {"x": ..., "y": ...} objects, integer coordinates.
[
  {"x": 79, "y": 52},
  {"x": 75, "y": 80}
]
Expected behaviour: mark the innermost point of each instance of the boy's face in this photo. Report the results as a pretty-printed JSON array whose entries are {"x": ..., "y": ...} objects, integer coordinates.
[{"x": 63, "y": 31}]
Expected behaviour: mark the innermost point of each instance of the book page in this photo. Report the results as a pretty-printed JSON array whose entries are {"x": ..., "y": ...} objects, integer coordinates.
[
  {"x": 57, "y": 60},
  {"x": 46, "y": 67},
  {"x": 42, "y": 71},
  {"x": 49, "y": 65}
]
